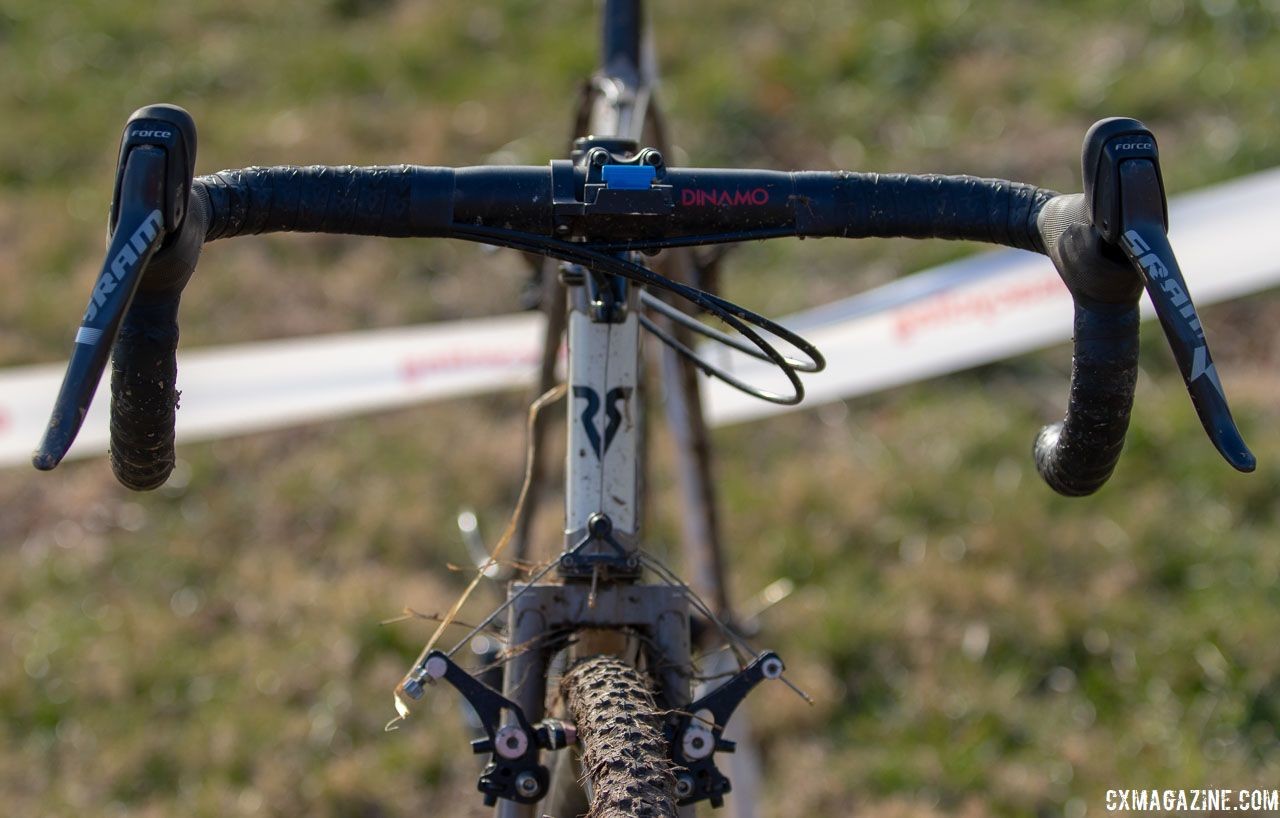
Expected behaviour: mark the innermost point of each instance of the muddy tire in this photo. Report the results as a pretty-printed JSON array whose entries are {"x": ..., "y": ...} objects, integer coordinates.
[{"x": 623, "y": 753}]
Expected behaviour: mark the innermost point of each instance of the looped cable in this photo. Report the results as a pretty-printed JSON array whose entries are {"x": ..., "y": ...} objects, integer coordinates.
[
  {"x": 656, "y": 304},
  {"x": 736, "y": 316}
]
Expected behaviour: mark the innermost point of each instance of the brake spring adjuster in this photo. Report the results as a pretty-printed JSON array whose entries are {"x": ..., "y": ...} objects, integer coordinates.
[{"x": 513, "y": 771}]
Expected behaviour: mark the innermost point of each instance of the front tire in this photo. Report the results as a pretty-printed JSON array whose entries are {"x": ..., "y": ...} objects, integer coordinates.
[{"x": 623, "y": 752}]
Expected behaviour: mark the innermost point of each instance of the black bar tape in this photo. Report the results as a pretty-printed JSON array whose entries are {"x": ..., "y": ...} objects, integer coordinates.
[
  {"x": 144, "y": 396},
  {"x": 994, "y": 211},
  {"x": 406, "y": 200},
  {"x": 1076, "y": 456},
  {"x": 398, "y": 200}
]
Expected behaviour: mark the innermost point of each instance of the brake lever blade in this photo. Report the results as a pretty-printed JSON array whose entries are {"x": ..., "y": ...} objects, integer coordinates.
[
  {"x": 139, "y": 231},
  {"x": 1148, "y": 249}
]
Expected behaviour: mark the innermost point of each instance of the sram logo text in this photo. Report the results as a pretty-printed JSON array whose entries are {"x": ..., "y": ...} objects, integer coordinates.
[{"x": 124, "y": 262}]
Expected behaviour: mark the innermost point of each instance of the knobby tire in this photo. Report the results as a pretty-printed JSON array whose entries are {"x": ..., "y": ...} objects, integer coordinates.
[{"x": 624, "y": 754}]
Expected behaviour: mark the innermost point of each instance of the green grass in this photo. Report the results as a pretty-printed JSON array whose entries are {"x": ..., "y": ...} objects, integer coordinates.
[{"x": 975, "y": 644}]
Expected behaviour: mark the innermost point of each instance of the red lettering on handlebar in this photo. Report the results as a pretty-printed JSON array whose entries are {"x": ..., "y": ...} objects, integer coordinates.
[{"x": 697, "y": 197}]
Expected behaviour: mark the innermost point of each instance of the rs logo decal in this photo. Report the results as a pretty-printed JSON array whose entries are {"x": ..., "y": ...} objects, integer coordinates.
[{"x": 613, "y": 416}]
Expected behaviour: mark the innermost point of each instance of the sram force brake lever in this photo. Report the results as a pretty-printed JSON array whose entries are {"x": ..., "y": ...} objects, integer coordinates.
[
  {"x": 153, "y": 183},
  {"x": 1125, "y": 192}
]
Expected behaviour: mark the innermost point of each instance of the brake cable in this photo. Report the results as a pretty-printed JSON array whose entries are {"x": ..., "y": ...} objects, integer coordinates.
[
  {"x": 736, "y": 316},
  {"x": 656, "y": 304}
]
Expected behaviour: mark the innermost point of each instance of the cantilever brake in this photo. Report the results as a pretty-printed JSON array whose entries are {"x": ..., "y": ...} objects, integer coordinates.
[
  {"x": 513, "y": 771},
  {"x": 1126, "y": 193},
  {"x": 695, "y": 733}
]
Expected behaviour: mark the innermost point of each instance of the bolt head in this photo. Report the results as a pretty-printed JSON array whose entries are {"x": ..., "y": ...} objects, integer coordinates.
[
  {"x": 600, "y": 525},
  {"x": 436, "y": 667},
  {"x": 684, "y": 786},
  {"x": 527, "y": 784},
  {"x": 698, "y": 742},
  {"x": 511, "y": 742}
]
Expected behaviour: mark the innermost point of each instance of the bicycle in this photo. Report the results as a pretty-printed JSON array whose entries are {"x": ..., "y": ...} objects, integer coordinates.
[{"x": 597, "y": 211}]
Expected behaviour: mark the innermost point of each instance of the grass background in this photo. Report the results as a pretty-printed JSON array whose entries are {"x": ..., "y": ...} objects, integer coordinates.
[{"x": 977, "y": 646}]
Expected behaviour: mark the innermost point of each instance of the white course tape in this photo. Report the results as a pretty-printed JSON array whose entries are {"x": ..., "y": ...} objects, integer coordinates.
[{"x": 252, "y": 387}]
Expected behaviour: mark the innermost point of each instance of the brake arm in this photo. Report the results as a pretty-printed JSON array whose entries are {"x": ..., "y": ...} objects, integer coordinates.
[
  {"x": 697, "y": 732},
  {"x": 513, "y": 771}
]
